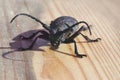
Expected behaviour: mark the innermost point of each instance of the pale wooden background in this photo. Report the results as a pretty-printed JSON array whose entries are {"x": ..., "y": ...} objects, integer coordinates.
[{"x": 103, "y": 61}]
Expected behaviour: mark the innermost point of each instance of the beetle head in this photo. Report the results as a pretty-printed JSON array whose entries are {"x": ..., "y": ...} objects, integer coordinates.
[{"x": 55, "y": 40}]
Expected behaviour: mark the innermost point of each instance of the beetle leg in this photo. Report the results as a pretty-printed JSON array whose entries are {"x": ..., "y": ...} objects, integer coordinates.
[
  {"x": 32, "y": 44},
  {"x": 76, "y": 50},
  {"x": 90, "y": 40},
  {"x": 34, "y": 34},
  {"x": 86, "y": 38}
]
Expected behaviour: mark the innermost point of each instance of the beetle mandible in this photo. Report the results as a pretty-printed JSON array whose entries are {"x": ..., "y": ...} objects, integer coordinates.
[{"x": 64, "y": 29}]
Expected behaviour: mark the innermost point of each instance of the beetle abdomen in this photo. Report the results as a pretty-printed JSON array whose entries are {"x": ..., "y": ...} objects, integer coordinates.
[{"x": 59, "y": 24}]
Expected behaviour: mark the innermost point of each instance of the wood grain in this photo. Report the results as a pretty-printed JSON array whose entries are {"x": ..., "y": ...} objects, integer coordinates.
[{"x": 41, "y": 63}]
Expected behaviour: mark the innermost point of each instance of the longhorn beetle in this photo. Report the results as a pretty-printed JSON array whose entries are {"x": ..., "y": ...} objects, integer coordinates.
[{"x": 64, "y": 29}]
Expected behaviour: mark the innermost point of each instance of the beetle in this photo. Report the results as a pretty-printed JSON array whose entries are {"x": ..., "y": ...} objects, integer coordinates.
[{"x": 63, "y": 29}]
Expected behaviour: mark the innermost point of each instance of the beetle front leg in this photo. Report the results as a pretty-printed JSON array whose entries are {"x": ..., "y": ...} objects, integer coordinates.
[
  {"x": 75, "y": 48},
  {"x": 76, "y": 51},
  {"x": 86, "y": 38},
  {"x": 90, "y": 40}
]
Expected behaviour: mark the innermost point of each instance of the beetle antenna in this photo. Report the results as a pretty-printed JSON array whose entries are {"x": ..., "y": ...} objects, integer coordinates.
[
  {"x": 77, "y": 24},
  {"x": 44, "y": 25}
]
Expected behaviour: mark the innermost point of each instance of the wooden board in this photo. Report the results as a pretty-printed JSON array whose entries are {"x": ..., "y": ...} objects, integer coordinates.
[{"x": 42, "y": 63}]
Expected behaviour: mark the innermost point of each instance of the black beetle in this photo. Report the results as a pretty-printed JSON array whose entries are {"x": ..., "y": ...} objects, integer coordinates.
[{"x": 62, "y": 30}]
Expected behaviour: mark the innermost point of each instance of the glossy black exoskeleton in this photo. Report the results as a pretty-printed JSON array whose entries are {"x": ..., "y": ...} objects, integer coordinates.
[{"x": 62, "y": 30}]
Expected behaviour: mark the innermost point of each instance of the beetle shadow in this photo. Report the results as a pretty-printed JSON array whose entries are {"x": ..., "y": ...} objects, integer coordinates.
[
  {"x": 39, "y": 43},
  {"x": 70, "y": 54},
  {"x": 65, "y": 53},
  {"x": 21, "y": 43},
  {"x": 18, "y": 43}
]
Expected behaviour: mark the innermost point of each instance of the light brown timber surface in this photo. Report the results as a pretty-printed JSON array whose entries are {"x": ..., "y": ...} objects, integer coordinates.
[{"x": 42, "y": 63}]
